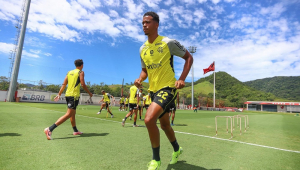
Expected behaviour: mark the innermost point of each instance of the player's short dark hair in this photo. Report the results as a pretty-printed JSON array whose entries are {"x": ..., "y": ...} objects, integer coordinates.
[
  {"x": 78, "y": 62},
  {"x": 153, "y": 15},
  {"x": 102, "y": 91}
]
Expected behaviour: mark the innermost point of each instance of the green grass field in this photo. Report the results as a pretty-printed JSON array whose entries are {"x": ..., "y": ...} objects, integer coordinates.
[{"x": 271, "y": 142}]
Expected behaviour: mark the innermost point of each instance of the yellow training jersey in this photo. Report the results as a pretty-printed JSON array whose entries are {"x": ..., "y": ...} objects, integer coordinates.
[
  {"x": 147, "y": 100},
  {"x": 106, "y": 97},
  {"x": 133, "y": 91},
  {"x": 122, "y": 100},
  {"x": 157, "y": 58},
  {"x": 126, "y": 100},
  {"x": 73, "y": 89}
]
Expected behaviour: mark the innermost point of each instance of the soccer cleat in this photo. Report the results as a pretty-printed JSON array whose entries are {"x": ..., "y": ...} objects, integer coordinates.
[
  {"x": 98, "y": 113},
  {"x": 48, "y": 133},
  {"x": 77, "y": 133},
  {"x": 175, "y": 156},
  {"x": 172, "y": 124},
  {"x": 112, "y": 116},
  {"x": 153, "y": 165},
  {"x": 130, "y": 118},
  {"x": 123, "y": 122},
  {"x": 135, "y": 125}
]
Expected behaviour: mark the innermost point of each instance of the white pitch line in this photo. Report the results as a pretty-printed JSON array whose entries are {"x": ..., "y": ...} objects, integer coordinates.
[{"x": 186, "y": 133}]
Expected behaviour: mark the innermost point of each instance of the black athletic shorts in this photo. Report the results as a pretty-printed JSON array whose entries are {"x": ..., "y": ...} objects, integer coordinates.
[
  {"x": 146, "y": 106},
  {"x": 121, "y": 104},
  {"x": 106, "y": 105},
  {"x": 164, "y": 97},
  {"x": 140, "y": 107},
  {"x": 72, "y": 103},
  {"x": 132, "y": 106}
]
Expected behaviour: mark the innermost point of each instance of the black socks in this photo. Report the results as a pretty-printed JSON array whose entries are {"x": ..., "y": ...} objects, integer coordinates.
[
  {"x": 156, "y": 154},
  {"x": 51, "y": 128},
  {"x": 75, "y": 129},
  {"x": 175, "y": 145}
]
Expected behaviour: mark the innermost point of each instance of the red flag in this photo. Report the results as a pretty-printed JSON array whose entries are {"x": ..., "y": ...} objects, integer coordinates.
[{"x": 210, "y": 68}]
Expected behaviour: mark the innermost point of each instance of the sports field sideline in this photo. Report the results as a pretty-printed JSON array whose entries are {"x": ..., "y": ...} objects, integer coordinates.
[{"x": 271, "y": 142}]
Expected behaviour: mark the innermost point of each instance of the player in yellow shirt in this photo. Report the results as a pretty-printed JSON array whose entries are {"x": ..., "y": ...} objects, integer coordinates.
[
  {"x": 147, "y": 101},
  {"x": 133, "y": 98},
  {"x": 126, "y": 103},
  {"x": 73, "y": 79},
  {"x": 122, "y": 103},
  {"x": 157, "y": 65},
  {"x": 106, "y": 102},
  {"x": 141, "y": 103}
]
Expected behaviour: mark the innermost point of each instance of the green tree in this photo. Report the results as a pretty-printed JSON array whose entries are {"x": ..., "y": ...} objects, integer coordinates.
[{"x": 4, "y": 83}]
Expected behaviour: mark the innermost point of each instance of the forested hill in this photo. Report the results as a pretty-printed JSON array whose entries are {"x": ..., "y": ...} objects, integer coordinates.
[
  {"x": 234, "y": 91},
  {"x": 281, "y": 86}
]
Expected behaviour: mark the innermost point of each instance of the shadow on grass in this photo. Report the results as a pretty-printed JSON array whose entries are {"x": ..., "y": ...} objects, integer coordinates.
[
  {"x": 182, "y": 165},
  {"x": 85, "y": 135},
  {"x": 9, "y": 134},
  {"x": 180, "y": 124}
]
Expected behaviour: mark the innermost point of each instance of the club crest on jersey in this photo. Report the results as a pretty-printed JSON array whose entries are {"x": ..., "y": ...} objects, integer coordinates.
[
  {"x": 160, "y": 50},
  {"x": 151, "y": 52}
]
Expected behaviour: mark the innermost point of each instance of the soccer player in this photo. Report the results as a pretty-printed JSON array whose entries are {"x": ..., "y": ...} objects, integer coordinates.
[
  {"x": 133, "y": 98},
  {"x": 140, "y": 103},
  {"x": 121, "y": 103},
  {"x": 157, "y": 64},
  {"x": 73, "y": 79},
  {"x": 147, "y": 101},
  {"x": 106, "y": 102},
  {"x": 195, "y": 108},
  {"x": 172, "y": 112},
  {"x": 126, "y": 103}
]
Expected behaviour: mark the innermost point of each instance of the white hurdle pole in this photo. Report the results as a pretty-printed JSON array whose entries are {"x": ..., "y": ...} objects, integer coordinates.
[{"x": 216, "y": 122}]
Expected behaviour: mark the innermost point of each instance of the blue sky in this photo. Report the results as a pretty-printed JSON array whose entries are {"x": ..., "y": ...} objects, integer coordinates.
[{"x": 247, "y": 39}]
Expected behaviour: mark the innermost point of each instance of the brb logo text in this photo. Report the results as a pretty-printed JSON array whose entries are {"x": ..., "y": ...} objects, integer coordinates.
[{"x": 154, "y": 66}]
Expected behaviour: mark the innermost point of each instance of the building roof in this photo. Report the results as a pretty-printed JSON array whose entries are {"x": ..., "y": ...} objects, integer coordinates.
[{"x": 272, "y": 103}]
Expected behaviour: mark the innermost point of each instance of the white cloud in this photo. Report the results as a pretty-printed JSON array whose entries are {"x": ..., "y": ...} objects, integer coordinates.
[
  {"x": 134, "y": 11},
  {"x": 168, "y": 2},
  {"x": 47, "y": 54},
  {"x": 273, "y": 11},
  {"x": 112, "y": 2},
  {"x": 113, "y": 13},
  {"x": 215, "y": 1},
  {"x": 152, "y": 3},
  {"x": 199, "y": 15},
  {"x": 202, "y": 1},
  {"x": 90, "y": 4},
  {"x": 6, "y": 48},
  {"x": 35, "y": 51},
  {"x": 9, "y": 10},
  {"x": 30, "y": 55},
  {"x": 230, "y": 0},
  {"x": 182, "y": 16}
]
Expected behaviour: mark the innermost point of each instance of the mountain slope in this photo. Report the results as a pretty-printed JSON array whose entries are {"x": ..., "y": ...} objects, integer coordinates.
[{"x": 281, "y": 86}]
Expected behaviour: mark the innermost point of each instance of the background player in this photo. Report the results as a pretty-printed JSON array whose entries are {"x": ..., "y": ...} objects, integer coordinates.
[
  {"x": 147, "y": 101},
  {"x": 106, "y": 102},
  {"x": 141, "y": 103},
  {"x": 172, "y": 112},
  {"x": 126, "y": 103},
  {"x": 72, "y": 79},
  {"x": 133, "y": 98},
  {"x": 122, "y": 103}
]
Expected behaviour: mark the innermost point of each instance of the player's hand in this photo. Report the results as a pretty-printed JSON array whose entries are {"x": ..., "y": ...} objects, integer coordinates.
[
  {"x": 56, "y": 98},
  {"x": 179, "y": 84},
  {"x": 138, "y": 83},
  {"x": 91, "y": 95}
]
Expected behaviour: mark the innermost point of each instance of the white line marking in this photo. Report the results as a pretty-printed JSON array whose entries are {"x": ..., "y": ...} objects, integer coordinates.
[{"x": 186, "y": 133}]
